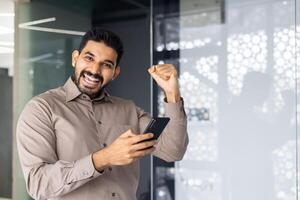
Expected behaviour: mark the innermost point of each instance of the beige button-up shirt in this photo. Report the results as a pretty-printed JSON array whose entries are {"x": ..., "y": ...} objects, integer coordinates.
[{"x": 58, "y": 131}]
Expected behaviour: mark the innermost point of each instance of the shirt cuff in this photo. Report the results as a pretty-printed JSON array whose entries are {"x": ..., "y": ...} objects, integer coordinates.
[
  {"x": 175, "y": 110},
  {"x": 85, "y": 169}
]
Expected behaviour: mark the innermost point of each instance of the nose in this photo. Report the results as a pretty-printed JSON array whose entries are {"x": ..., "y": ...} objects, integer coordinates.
[{"x": 96, "y": 69}]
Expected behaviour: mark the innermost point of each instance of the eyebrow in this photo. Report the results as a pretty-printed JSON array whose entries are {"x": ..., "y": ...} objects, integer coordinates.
[{"x": 91, "y": 54}]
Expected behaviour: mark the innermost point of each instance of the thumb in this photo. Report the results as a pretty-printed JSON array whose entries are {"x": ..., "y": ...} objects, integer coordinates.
[
  {"x": 152, "y": 69},
  {"x": 152, "y": 72},
  {"x": 173, "y": 77}
]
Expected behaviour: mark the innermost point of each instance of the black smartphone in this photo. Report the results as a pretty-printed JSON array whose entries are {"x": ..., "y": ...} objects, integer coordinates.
[{"x": 156, "y": 126}]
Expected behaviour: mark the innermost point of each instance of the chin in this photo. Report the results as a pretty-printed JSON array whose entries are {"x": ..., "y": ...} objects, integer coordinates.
[{"x": 91, "y": 91}]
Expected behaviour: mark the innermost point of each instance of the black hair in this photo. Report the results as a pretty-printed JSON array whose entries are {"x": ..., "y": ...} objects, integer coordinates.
[{"x": 107, "y": 37}]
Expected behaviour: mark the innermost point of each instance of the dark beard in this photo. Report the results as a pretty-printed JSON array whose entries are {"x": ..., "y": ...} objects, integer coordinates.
[{"x": 92, "y": 95}]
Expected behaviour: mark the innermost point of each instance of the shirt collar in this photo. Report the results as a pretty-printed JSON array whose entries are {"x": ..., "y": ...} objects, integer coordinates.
[{"x": 72, "y": 92}]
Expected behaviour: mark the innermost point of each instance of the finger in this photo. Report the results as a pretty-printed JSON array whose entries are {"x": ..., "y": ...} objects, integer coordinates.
[
  {"x": 156, "y": 77},
  {"x": 128, "y": 133},
  {"x": 142, "y": 153},
  {"x": 166, "y": 71},
  {"x": 143, "y": 145},
  {"x": 166, "y": 75},
  {"x": 138, "y": 138},
  {"x": 152, "y": 69},
  {"x": 164, "y": 66}
]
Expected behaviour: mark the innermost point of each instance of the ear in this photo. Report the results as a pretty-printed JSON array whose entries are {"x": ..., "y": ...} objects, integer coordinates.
[
  {"x": 75, "y": 55},
  {"x": 117, "y": 72}
]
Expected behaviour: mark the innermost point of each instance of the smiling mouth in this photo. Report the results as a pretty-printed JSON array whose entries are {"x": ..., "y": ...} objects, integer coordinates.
[{"x": 90, "y": 81}]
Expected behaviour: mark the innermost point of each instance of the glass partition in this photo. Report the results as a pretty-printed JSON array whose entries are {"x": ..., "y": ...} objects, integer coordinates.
[{"x": 237, "y": 74}]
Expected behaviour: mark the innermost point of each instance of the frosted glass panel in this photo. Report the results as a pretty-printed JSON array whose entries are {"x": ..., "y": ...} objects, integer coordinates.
[{"x": 237, "y": 74}]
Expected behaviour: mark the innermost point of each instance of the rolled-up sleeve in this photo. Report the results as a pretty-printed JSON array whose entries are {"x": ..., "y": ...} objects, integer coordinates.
[
  {"x": 173, "y": 141},
  {"x": 46, "y": 176}
]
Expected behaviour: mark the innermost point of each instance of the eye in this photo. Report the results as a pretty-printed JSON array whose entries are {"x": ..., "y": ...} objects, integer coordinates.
[
  {"x": 108, "y": 65},
  {"x": 89, "y": 58}
]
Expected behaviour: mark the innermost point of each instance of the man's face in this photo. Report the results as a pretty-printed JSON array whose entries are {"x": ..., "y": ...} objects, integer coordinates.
[{"x": 95, "y": 67}]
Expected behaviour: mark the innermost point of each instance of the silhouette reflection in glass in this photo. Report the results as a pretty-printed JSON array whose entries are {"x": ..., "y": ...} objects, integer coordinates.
[{"x": 246, "y": 143}]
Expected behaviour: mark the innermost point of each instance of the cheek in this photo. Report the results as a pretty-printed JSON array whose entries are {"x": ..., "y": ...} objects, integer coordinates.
[
  {"x": 79, "y": 67},
  {"x": 77, "y": 72},
  {"x": 107, "y": 76}
]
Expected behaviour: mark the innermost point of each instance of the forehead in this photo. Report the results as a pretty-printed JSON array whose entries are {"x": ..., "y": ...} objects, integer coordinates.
[{"x": 99, "y": 49}]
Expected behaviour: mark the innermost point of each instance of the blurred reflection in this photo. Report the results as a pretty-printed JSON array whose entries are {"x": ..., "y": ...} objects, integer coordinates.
[
  {"x": 244, "y": 131},
  {"x": 198, "y": 184},
  {"x": 245, "y": 52},
  {"x": 238, "y": 82},
  {"x": 283, "y": 156},
  {"x": 284, "y": 62},
  {"x": 163, "y": 176},
  {"x": 207, "y": 67}
]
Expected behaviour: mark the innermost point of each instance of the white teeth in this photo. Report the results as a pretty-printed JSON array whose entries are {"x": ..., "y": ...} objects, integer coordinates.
[
  {"x": 92, "y": 79},
  {"x": 93, "y": 83}
]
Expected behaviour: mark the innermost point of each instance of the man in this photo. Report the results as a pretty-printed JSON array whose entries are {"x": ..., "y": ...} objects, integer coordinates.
[{"x": 77, "y": 142}]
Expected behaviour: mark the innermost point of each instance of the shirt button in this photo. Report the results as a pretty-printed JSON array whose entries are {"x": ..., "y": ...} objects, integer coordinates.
[
  {"x": 113, "y": 194},
  {"x": 99, "y": 122},
  {"x": 110, "y": 169},
  {"x": 104, "y": 144}
]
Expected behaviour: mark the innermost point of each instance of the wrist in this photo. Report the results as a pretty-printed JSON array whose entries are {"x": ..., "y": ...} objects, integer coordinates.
[
  {"x": 173, "y": 97},
  {"x": 100, "y": 160}
]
